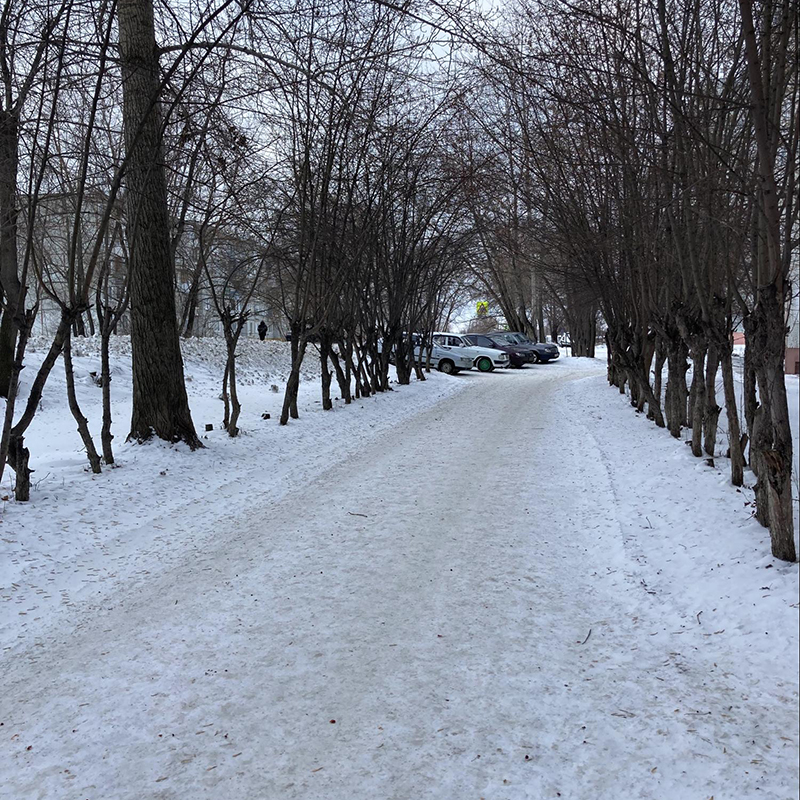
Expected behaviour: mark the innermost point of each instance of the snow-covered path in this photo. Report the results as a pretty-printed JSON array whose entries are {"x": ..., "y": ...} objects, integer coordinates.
[{"x": 455, "y": 611}]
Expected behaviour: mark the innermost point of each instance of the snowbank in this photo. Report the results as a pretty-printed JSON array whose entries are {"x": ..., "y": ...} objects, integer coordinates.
[{"x": 692, "y": 538}]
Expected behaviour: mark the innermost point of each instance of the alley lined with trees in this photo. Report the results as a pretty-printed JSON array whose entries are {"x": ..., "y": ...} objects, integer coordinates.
[
  {"x": 363, "y": 170},
  {"x": 253, "y": 544}
]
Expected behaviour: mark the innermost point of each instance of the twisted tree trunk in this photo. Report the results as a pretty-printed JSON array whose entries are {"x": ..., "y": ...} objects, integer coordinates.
[
  {"x": 293, "y": 383},
  {"x": 74, "y": 407},
  {"x": 342, "y": 375}
]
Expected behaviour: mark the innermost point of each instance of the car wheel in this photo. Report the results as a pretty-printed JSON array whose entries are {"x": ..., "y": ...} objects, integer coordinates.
[
  {"x": 536, "y": 359},
  {"x": 447, "y": 366},
  {"x": 484, "y": 364}
]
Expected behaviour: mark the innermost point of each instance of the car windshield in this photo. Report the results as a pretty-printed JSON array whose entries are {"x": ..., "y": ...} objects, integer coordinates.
[{"x": 507, "y": 338}]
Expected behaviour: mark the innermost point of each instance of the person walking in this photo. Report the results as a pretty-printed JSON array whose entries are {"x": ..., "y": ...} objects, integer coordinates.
[{"x": 262, "y": 330}]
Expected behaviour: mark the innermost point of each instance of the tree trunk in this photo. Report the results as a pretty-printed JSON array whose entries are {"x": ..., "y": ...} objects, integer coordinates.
[
  {"x": 648, "y": 351},
  {"x": 290, "y": 396},
  {"x": 654, "y": 411},
  {"x": 19, "y": 455},
  {"x": 402, "y": 360},
  {"x": 8, "y": 341},
  {"x": 582, "y": 331},
  {"x": 190, "y": 307},
  {"x": 759, "y": 443},
  {"x": 419, "y": 372},
  {"x": 732, "y": 412},
  {"x": 74, "y": 407},
  {"x": 712, "y": 410},
  {"x": 231, "y": 425},
  {"x": 361, "y": 371},
  {"x": 540, "y": 316},
  {"x": 324, "y": 349},
  {"x": 698, "y": 396},
  {"x": 12, "y": 449},
  {"x": 768, "y": 91},
  {"x": 775, "y": 469},
  {"x": 660, "y": 358},
  {"x": 226, "y": 398},
  {"x": 293, "y": 383},
  {"x": 10, "y": 288},
  {"x": 79, "y": 327},
  {"x": 749, "y": 378},
  {"x": 676, "y": 394},
  {"x": 634, "y": 388},
  {"x": 13, "y": 386},
  {"x": 360, "y": 364},
  {"x": 106, "y": 437},
  {"x": 342, "y": 375},
  {"x": 160, "y": 404},
  {"x": 381, "y": 383}
]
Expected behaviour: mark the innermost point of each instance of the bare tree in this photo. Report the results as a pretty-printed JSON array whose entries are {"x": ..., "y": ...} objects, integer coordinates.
[{"x": 160, "y": 404}]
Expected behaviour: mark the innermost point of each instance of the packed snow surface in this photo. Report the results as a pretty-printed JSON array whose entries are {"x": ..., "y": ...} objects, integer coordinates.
[{"x": 482, "y": 586}]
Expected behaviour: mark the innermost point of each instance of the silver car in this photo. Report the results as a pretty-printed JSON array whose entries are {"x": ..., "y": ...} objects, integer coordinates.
[
  {"x": 485, "y": 359},
  {"x": 445, "y": 359}
]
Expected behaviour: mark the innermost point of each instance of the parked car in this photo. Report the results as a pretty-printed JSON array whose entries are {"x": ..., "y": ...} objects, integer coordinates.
[
  {"x": 542, "y": 351},
  {"x": 445, "y": 359},
  {"x": 517, "y": 355},
  {"x": 545, "y": 351},
  {"x": 485, "y": 359}
]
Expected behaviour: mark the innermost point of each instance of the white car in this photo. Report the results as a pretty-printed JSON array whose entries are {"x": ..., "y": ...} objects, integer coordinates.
[
  {"x": 485, "y": 359},
  {"x": 445, "y": 359}
]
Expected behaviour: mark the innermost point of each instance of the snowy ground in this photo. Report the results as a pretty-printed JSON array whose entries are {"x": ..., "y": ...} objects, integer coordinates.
[
  {"x": 83, "y": 534},
  {"x": 498, "y": 586}
]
